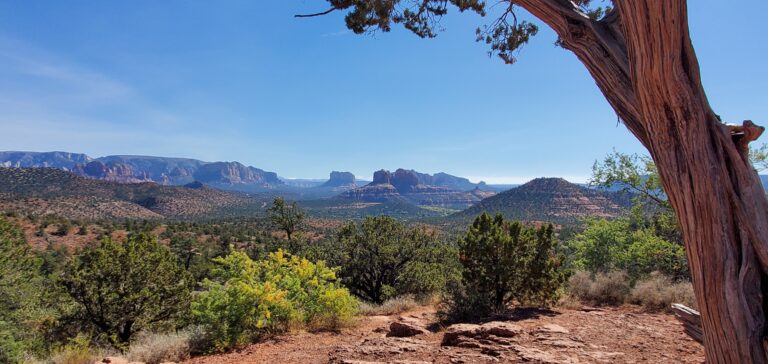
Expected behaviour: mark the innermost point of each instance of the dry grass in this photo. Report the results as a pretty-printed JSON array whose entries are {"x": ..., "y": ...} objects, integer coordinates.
[
  {"x": 389, "y": 307},
  {"x": 158, "y": 348},
  {"x": 658, "y": 293},
  {"x": 610, "y": 288},
  {"x": 78, "y": 351},
  {"x": 655, "y": 293}
]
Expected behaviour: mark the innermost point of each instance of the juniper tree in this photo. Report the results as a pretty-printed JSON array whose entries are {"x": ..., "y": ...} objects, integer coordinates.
[
  {"x": 286, "y": 216},
  {"x": 641, "y": 56},
  {"x": 505, "y": 263},
  {"x": 127, "y": 287}
]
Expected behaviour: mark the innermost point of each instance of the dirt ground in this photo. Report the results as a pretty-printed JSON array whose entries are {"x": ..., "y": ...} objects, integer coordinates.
[{"x": 610, "y": 335}]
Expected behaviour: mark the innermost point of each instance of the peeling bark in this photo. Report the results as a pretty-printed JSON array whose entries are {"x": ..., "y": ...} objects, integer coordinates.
[{"x": 642, "y": 59}]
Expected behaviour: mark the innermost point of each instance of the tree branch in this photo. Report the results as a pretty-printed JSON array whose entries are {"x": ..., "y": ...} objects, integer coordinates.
[{"x": 315, "y": 14}]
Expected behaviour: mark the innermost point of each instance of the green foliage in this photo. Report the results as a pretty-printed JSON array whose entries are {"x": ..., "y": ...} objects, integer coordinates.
[
  {"x": 759, "y": 157},
  {"x": 505, "y": 35},
  {"x": 633, "y": 173},
  {"x": 505, "y": 263},
  {"x": 286, "y": 216},
  {"x": 123, "y": 288},
  {"x": 247, "y": 299},
  {"x": 380, "y": 258},
  {"x": 607, "y": 245},
  {"x": 20, "y": 295}
]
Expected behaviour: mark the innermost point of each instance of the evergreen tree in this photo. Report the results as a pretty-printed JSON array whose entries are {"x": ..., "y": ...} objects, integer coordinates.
[
  {"x": 381, "y": 258},
  {"x": 503, "y": 264}
]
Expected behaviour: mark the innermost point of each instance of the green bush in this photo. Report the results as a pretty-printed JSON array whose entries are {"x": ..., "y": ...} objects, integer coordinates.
[
  {"x": 504, "y": 264},
  {"x": 124, "y": 288},
  {"x": 381, "y": 258},
  {"x": 607, "y": 245},
  {"x": 247, "y": 299}
]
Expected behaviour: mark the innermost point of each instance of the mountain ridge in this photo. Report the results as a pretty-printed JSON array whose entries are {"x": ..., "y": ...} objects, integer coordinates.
[
  {"x": 550, "y": 199},
  {"x": 172, "y": 171}
]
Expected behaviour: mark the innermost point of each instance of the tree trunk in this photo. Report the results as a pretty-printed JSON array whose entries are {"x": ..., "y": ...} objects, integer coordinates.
[{"x": 643, "y": 61}]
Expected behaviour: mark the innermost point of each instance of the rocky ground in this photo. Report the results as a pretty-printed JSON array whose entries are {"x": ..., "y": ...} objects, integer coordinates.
[{"x": 611, "y": 335}]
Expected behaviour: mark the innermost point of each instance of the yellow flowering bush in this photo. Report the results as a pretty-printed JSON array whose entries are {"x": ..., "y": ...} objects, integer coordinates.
[{"x": 246, "y": 299}]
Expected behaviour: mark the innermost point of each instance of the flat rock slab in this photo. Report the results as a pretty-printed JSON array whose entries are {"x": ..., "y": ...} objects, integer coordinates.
[
  {"x": 553, "y": 329},
  {"x": 454, "y": 334}
]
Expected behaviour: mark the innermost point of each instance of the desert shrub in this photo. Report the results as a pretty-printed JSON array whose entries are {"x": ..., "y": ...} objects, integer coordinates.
[
  {"x": 610, "y": 288},
  {"x": 659, "y": 292},
  {"x": 389, "y": 307},
  {"x": 503, "y": 264},
  {"x": 157, "y": 348},
  {"x": 247, "y": 299},
  {"x": 124, "y": 288},
  {"x": 381, "y": 258}
]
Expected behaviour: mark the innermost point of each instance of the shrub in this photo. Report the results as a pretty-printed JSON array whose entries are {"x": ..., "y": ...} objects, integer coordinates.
[
  {"x": 123, "y": 288},
  {"x": 659, "y": 292},
  {"x": 610, "y": 288},
  {"x": 158, "y": 348},
  {"x": 381, "y": 258},
  {"x": 389, "y": 307},
  {"x": 607, "y": 245},
  {"x": 504, "y": 263},
  {"x": 247, "y": 299}
]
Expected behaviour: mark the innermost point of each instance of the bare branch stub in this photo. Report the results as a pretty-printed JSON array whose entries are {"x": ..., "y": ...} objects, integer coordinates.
[{"x": 744, "y": 134}]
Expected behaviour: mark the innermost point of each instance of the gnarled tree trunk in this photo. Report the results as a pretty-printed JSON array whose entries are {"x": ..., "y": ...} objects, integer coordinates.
[{"x": 642, "y": 59}]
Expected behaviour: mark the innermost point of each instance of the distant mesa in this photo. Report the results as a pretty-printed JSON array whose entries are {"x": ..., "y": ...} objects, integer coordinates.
[
  {"x": 340, "y": 179},
  {"x": 439, "y": 190},
  {"x": 234, "y": 173}
]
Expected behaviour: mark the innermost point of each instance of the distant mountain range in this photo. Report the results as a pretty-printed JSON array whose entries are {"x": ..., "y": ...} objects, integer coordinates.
[
  {"x": 134, "y": 169},
  {"x": 44, "y": 191},
  {"x": 77, "y": 185},
  {"x": 231, "y": 176}
]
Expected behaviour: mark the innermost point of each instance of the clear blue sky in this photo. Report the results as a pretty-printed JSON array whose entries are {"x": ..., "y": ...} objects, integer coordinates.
[{"x": 244, "y": 80}]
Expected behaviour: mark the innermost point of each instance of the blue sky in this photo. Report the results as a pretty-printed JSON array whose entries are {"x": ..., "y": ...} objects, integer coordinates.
[{"x": 245, "y": 81}]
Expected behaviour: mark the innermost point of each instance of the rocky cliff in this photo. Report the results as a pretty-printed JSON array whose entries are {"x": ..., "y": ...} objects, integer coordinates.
[
  {"x": 413, "y": 187},
  {"x": 340, "y": 179},
  {"x": 62, "y": 160},
  {"x": 133, "y": 169}
]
